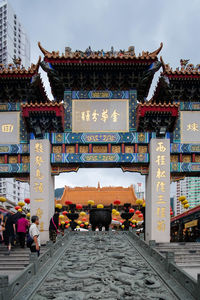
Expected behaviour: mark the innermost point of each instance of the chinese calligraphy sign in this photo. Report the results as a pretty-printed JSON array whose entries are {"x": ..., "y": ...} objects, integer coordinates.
[{"x": 190, "y": 126}]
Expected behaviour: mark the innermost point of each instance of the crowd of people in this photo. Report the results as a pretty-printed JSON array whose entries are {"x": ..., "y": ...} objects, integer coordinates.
[{"x": 17, "y": 231}]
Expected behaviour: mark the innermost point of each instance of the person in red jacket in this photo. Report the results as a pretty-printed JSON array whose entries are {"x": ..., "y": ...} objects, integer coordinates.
[{"x": 22, "y": 225}]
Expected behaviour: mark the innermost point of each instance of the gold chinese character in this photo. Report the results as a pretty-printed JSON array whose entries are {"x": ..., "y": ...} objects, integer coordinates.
[
  {"x": 87, "y": 116},
  {"x": 161, "y": 160},
  {"x": 104, "y": 115},
  {"x": 161, "y": 147},
  {"x": 39, "y": 213},
  {"x": 161, "y": 225},
  {"x": 114, "y": 116},
  {"x": 38, "y": 174},
  {"x": 192, "y": 127},
  {"x": 160, "y": 199},
  {"x": 38, "y": 160},
  {"x": 160, "y": 173},
  {"x": 161, "y": 212},
  {"x": 39, "y": 200},
  {"x": 7, "y": 128},
  {"x": 95, "y": 115},
  {"x": 38, "y": 187},
  {"x": 160, "y": 185},
  {"x": 39, "y": 147},
  {"x": 41, "y": 226},
  {"x": 83, "y": 115}
]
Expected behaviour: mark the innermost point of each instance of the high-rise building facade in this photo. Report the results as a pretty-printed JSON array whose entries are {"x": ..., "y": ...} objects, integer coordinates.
[
  {"x": 14, "y": 190},
  {"x": 189, "y": 187},
  {"x": 14, "y": 42}
]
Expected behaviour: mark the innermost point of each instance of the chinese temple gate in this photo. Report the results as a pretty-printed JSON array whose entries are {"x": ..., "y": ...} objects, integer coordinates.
[{"x": 100, "y": 118}]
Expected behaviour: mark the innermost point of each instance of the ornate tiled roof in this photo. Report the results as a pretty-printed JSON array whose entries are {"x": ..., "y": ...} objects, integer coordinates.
[
  {"x": 88, "y": 54},
  {"x": 17, "y": 69}
]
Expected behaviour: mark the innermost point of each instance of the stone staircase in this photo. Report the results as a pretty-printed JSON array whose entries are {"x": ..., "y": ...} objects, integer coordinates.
[
  {"x": 14, "y": 263},
  {"x": 186, "y": 255}
]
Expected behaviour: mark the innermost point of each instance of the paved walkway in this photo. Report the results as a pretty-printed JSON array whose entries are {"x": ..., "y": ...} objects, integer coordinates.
[{"x": 107, "y": 267}]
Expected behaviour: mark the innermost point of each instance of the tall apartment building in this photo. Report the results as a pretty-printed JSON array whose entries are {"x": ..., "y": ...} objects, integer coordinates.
[
  {"x": 14, "y": 42},
  {"x": 189, "y": 187},
  {"x": 13, "y": 190}
]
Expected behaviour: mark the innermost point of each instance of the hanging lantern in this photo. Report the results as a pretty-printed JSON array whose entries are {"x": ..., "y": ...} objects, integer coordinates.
[
  {"x": 79, "y": 222},
  {"x": 115, "y": 219},
  {"x": 84, "y": 219},
  {"x": 66, "y": 222},
  {"x": 100, "y": 206},
  {"x": 82, "y": 214},
  {"x": 144, "y": 204},
  {"x": 134, "y": 221},
  {"x": 79, "y": 206},
  {"x": 20, "y": 210},
  {"x": 62, "y": 222},
  {"x": 86, "y": 223},
  {"x": 171, "y": 213},
  {"x": 17, "y": 207},
  {"x": 61, "y": 217},
  {"x": 59, "y": 206},
  {"x": 185, "y": 202},
  {"x": 186, "y": 205},
  {"x": 2, "y": 199},
  {"x": 140, "y": 216},
  {"x": 77, "y": 227},
  {"x": 67, "y": 202},
  {"x": 66, "y": 226},
  {"x": 122, "y": 226},
  {"x": 131, "y": 210},
  {"x": 133, "y": 225},
  {"x": 182, "y": 198},
  {"x": 27, "y": 200},
  {"x": 117, "y": 213},
  {"x": 82, "y": 225},
  {"x": 64, "y": 212},
  {"x": 137, "y": 212},
  {"x": 117, "y": 202},
  {"x": 113, "y": 211},
  {"x": 28, "y": 215},
  {"x": 21, "y": 204},
  {"x": 90, "y": 202}
]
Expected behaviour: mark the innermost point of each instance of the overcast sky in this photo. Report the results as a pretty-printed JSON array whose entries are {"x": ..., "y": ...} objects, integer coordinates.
[{"x": 105, "y": 23}]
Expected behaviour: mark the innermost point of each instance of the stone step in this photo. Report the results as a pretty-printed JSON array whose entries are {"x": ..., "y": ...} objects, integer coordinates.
[{"x": 12, "y": 268}]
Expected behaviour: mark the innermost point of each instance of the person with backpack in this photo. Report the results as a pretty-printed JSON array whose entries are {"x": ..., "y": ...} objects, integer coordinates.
[
  {"x": 33, "y": 240},
  {"x": 9, "y": 231},
  {"x": 53, "y": 226}
]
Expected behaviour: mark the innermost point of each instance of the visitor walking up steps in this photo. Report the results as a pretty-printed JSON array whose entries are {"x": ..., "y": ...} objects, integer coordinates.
[
  {"x": 35, "y": 235},
  {"x": 22, "y": 225},
  {"x": 53, "y": 226}
]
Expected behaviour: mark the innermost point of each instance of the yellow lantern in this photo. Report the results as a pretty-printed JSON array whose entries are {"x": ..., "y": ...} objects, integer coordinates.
[
  {"x": 90, "y": 202},
  {"x": 21, "y": 203},
  {"x": 117, "y": 213},
  {"x": 20, "y": 210},
  {"x": 77, "y": 226},
  {"x": 79, "y": 222},
  {"x": 100, "y": 206},
  {"x": 122, "y": 226},
  {"x": 114, "y": 211},
  {"x": 134, "y": 221},
  {"x": 2, "y": 199},
  {"x": 28, "y": 215},
  {"x": 184, "y": 202},
  {"x": 186, "y": 206},
  {"x": 86, "y": 223},
  {"x": 181, "y": 198},
  {"x": 82, "y": 214},
  {"x": 139, "y": 201},
  {"x": 144, "y": 204},
  {"x": 61, "y": 217},
  {"x": 59, "y": 206},
  {"x": 62, "y": 222}
]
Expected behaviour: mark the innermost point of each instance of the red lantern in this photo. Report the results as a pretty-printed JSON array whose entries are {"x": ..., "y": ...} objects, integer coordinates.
[
  {"x": 131, "y": 210},
  {"x": 84, "y": 219},
  {"x": 67, "y": 226},
  {"x": 27, "y": 200},
  {"x": 117, "y": 202},
  {"x": 66, "y": 222},
  {"x": 79, "y": 206},
  {"x": 133, "y": 225},
  {"x": 137, "y": 212},
  {"x": 17, "y": 207},
  {"x": 64, "y": 212},
  {"x": 115, "y": 219},
  {"x": 171, "y": 213},
  {"x": 82, "y": 225},
  {"x": 67, "y": 202},
  {"x": 140, "y": 215}
]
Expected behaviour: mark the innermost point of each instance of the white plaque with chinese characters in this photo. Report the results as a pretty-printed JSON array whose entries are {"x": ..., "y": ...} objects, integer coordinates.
[
  {"x": 190, "y": 127},
  {"x": 158, "y": 192},
  {"x": 9, "y": 127},
  {"x": 103, "y": 115}
]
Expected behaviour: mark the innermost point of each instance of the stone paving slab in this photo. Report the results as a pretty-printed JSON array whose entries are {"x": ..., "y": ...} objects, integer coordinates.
[{"x": 103, "y": 266}]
